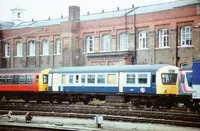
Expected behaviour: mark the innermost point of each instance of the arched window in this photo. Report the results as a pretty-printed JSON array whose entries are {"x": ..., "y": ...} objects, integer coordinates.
[
  {"x": 143, "y": 40},
  {"x": 31, "y": 48},
  {"x": 123, "y": 41},
  {"x": 7, "y": 50},
  {"x": 106, "y": 41},
  {"x": 89, "y": 44},
  {"x": 163, "y": 38},
  {"x": 186, "y": 36},
  {"x": 57, "y": 47},
  {"x": 45, "y": 47},
  {"x": 19, "y": 49}
]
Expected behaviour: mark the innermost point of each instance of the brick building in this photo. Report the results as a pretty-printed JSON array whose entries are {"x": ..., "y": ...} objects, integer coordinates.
[{"x": 162, "y": 33}]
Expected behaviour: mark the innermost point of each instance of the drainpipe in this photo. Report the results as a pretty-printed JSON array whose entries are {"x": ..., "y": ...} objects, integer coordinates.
[{"x": 176, "y": 48}]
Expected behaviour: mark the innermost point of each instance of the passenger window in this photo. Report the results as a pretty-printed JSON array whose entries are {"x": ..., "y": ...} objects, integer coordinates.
[
  {"x": 45, "y": 79},
  {"x": 82, "y": 79},
  {"x": 142, "y": 78},
  {"x": 153, "y": 78},
  {"x": 101, "y": 78},
  {"x": 77, "y": 78},
  {"x": 37, "y": 78},
  {"x": 22, "y": 79},
  {"x": 15, "y": 79},
  {"x": 112, "y": 79},
  {"x": 9, "y": 79},
  {"x": 130, "y": 78},
  {"x": 29, "y": 79},
  {"x": 182, "y": 78},
  {"x": 91, "y": 79},
  {"x": 2, "y": 79},
  {"x": 71, "y": 79}
]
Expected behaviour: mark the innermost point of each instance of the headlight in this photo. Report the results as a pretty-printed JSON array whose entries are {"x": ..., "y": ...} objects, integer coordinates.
[{"x": 194, "y": 94}]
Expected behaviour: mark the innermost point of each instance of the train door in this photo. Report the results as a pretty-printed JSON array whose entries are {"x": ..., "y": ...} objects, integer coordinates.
[
  {"x": 121, "y": 81},
  {"x": 55, "y": 83}
]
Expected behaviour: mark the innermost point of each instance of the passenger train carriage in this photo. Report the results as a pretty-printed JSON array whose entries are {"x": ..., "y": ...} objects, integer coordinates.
[
  {"x": 23, "y": 83},
  {"x": 140, "y": 84}
]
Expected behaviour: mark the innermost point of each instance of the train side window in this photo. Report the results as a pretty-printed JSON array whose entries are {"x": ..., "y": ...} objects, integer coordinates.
[
  {"x": 45, "y": 79},
  {"x": 182, "y": 78},
  {"x": 71, "y": 79},
  {"x": 77, "y": 78},
  {"x": 37, "y": 78},
  {"x": 15, "y": 79},
  {"x": 2, "y": 79},
  {"x": 142, "y": 78},
  {"x": 112, "y": 79},
  {"x": 130, "y": 78},
  {"x": 101, "y": 78},
  {"x": 153, "y": 78},
  {"x": 22, "y": 79},
  {"x": 91, "y": 79},
  {"x": 82, "y": 79},
  {"x": 29, "y": 79},
  {"x": 64, "y": 79},
  {"x": 9, "y": 79},
  {"x": 190, "y": 81}
]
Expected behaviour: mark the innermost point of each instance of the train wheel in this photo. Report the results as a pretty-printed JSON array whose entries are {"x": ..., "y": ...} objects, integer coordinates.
[
  {"x": 59, "y": 101},
  {"x": 39, "y": 101},
  {"x": 51, "y": 101}
]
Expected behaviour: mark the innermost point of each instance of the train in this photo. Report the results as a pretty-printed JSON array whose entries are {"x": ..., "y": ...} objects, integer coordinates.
[{"x": 150, "y": 85}]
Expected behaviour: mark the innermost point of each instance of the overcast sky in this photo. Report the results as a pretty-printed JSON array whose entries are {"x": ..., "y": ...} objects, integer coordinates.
[{"x": 42, "y": 9}]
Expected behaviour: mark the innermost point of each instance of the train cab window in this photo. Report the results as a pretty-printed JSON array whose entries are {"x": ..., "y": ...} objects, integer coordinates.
[
  {"x": 130, "y": 78},
  {"x": 112, "y": 79},
  {"x": 29, "y": 79},
  {"x": 182, "y": 78},
  {"x": 82, "y": 79},
  {"x": 2, "y": 79},
  {"x": 77, "y": 78},
  {"x": 101, "y": 78},
  {"x": 22, "y": 79},
  {"x": 142, "y": 78},
  {"x": 9, "y": 79},
  {"x": 169, "y": 78},
  {"x": 91, "y": 79},
  {"x": 15, "y": 79},
  {"x": 71, "y": 79},
  {"x": 45, "y": 79}
]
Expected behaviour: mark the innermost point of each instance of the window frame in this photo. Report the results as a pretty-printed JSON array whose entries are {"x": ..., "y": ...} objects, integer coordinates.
[
  {"x": 19, "y": 49},
  {"x": 45, "y": 47},
  {"x": 163, "y": 37},
  {"x": 89, "y": 40},
  {"x": 6, "y": 50},
  {"x": 184, "y": 36},
  {"x": 143, "y": 40},
  {"x": 106, "y": 43},
  {"x": 31, "y": 48},
  {"x": 123, "y": 41},
  {"x": 57, "y": 47}
]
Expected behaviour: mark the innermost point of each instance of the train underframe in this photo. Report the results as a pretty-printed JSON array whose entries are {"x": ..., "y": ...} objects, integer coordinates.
[{"x": 136, "y": 99}]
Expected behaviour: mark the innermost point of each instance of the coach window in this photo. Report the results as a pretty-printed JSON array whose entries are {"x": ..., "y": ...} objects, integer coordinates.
[
  {"x": 182, "y": 78},
  {"x": 101, "y": 78},
  {"x": 77, "y": 78},
  {"x": 91, "y": 79},
  {"x": 9, "y": 79},
  {"x": 29, "y": 79},
  {"x": 112, "y": 79},
  {"x": 16, "y": 79},
  {"x": 71, "y": 79},
  {"x": 82, "y": 79},
  {"x": 22, "y": 79},
  {"x": 45, "y": 79},
  {"x": 2, "y": 79},
  {"x": 130, "y": 78},
  {"x": 142, "y": 78},
  {"x": 153, "y": 78}
]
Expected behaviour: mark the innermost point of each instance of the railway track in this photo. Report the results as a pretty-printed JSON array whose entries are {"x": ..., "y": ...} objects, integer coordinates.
[{"x": 117, "y": 112}]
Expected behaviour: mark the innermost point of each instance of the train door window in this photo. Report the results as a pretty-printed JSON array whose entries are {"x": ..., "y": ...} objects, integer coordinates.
[
  {"x": 190, "y": 81},
  {"x": 91, "y": 79},
  {"x": 153, "y": 78},
  {"x": 45, "y": 79},
  {"x": 130, "y": 78},
  {"x": 37, "y": 78},
  {"x": 64, "y": 79},
  {"x": 29, "y": 79},
  {"x": 71, "y": 79},
  {"x": 82, "y": 79},
  {"x": 112, "y": 79},
  {"x": 15, "y": 79},
  {"x": 2, "y": 79},
  {"x": 77, "y": 78},
  {"x": 9, "y": 79},
  {"x": 142, "y": 78},
  {"x": 101, "y": 78},
  {"x": 182, "y": 78},
  {"x": 22, "y": 79}
]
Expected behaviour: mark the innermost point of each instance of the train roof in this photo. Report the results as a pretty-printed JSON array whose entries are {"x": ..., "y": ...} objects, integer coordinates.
[
  {"x": 186, "y": 67},
  {"x": 114, "y": 68},
  {"x": 196, "y": 59},
  {"x": 21, "y": 70}
]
